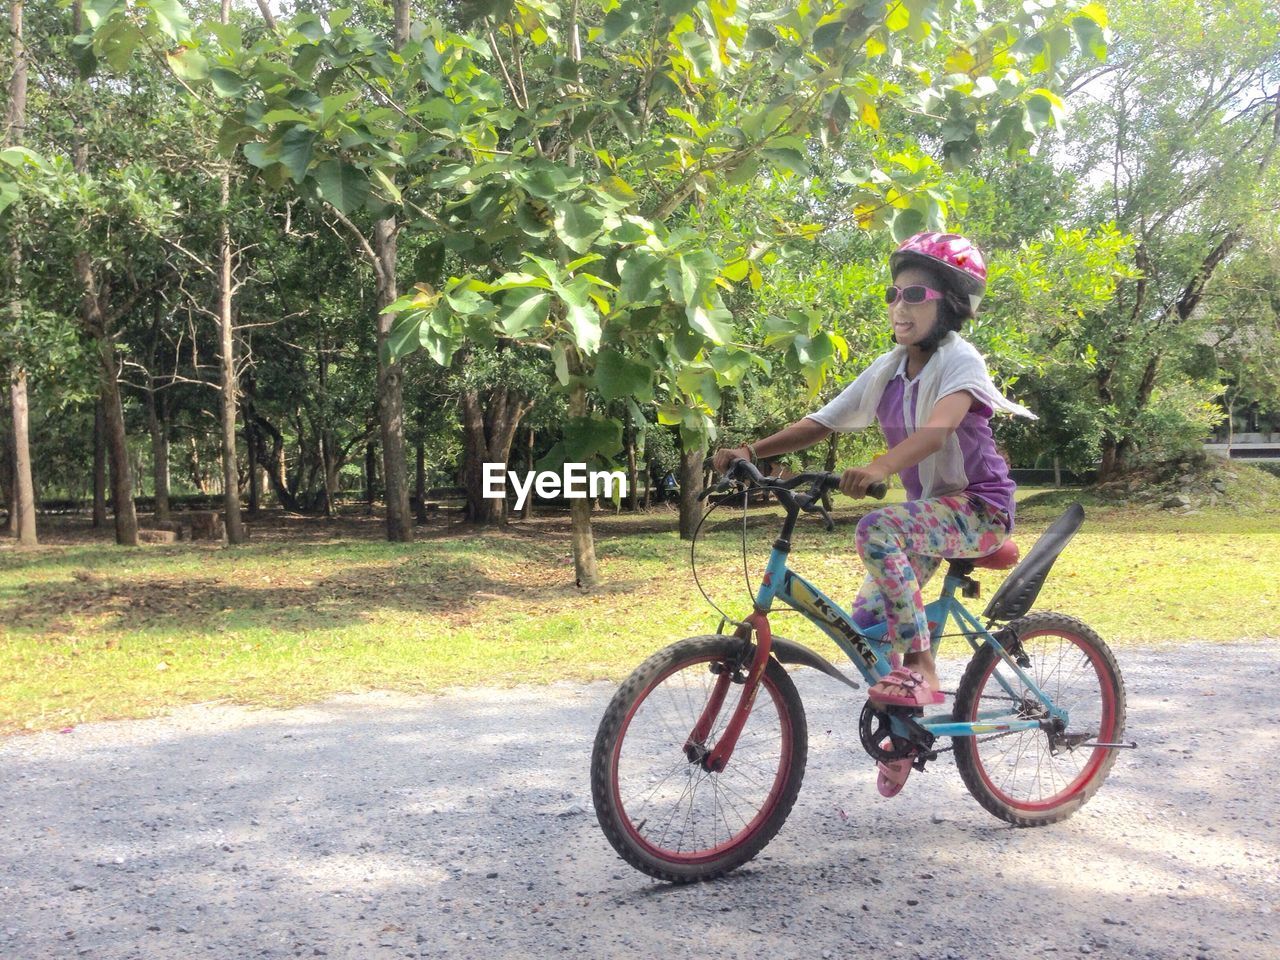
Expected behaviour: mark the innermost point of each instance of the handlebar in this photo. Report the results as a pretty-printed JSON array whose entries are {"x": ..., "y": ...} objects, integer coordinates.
[{"x": 809, "y": 501}]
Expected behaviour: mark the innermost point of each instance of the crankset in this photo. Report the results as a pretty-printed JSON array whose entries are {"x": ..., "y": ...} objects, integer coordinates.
[{"x": 875, "y": 727}]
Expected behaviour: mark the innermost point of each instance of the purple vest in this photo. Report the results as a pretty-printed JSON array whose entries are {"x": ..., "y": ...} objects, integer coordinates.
[{"x": 986, "y": 473}]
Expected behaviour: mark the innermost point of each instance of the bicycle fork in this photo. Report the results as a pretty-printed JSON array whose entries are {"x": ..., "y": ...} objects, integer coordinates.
[{"x": 717, "y": 758}]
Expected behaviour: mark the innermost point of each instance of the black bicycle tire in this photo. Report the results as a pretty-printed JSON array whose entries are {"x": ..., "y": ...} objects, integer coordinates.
[
  {"x": 607, "y": 812},
  {"x": 967, "y": 761}
]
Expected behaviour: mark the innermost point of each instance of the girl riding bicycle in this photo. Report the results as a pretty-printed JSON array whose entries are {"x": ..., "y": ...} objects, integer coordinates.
[{"x": 934, "y": 400}]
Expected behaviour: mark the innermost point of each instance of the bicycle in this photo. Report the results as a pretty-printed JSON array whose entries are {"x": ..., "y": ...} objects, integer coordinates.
[{"x": 688, "y": 789}]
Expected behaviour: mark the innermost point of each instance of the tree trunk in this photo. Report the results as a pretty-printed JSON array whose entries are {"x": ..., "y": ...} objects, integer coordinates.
[
  {"x": 99, "y": 465},
  {"x": 690, "y": 487},
  {"x": 420, "y": 483},
  {"x": 157, "y": 420},
  {"x": 390, "y": 386},
  {"x": 489, "y": 424},
  {"x": 370, "y": 474},
  {"x": 477, "y": 508},
  {"x": 1109, "y": 463},
  {"x": 95, "y": 323},
  {"x": 328, "y": 471},
  {"x": 24, "y": 496},
  {"x": 255, "y": 479},
  {"x": 633, "y": 477},
  {"x": 584, "y": 549},
  {"x": 391, "y": 393},
  {"x": 230, "y": 465},
  {"x": 22, "y": 509},
  {"x": 226, "y": 336},
  {"x": 526, "y": 512},
  {"x": 830, "y": 467},
  {"x": 8, "y": 480},
  {"x": 275, "y": 468}
]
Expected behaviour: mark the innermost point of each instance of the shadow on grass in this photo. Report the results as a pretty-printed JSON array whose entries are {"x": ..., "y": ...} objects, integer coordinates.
[{"x": 400, "y": 578}]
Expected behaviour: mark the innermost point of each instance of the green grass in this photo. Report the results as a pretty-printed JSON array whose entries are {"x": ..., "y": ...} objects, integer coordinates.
[{"x": 93, "y": 632}]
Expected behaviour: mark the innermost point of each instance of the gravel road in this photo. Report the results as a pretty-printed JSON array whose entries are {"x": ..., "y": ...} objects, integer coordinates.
[{"x": 384, "y": 825}]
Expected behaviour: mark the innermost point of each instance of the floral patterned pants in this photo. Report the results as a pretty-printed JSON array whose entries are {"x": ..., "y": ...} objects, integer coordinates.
[{"x": 902, "y": 545}]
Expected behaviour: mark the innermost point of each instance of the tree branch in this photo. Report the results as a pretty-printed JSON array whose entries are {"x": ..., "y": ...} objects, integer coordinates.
[{"x": 361, "y": 241}]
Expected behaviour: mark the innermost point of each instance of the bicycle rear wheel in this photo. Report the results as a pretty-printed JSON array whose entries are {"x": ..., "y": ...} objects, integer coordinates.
[
  {"x": 662, "y": 812},
  {"x": 1020, "y": 777}
]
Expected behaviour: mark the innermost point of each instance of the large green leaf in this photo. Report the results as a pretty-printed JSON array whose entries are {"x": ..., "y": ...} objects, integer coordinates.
[
  {"x": 560, "y": 357},
  {"x": 787, "y": 158},
  {"x": 677, "y": 8},
  {"x": 117, "y": 41},
  {"x": 406, "y": 333},
  {"x": 23, "y": 156},
  {"x": 698, "y": 49},
  {"x": 83, "y": 56},
  {"x": 617, "y": 377},
  {"x": 438, "y": 337},
  {"x": 189, "y": 64},
  {"x": 698, "y": 272},
  {"x": 173, "y": 20},
  {"x": 259, "y": 154},
  {"x": 546, "y": 180},
  {"x": 1090, "y": 35},
  {"x": 467, "y": 301},
  {"x": 907, "y": 223},
  {"x": 578, "y": 223},
  {"x": 296, "y": 148},
  {"x": 641, "y": 276},
  {"x": 97, "y": 12},
  {"x": 8, "y": 193},
  {"x": 341, "y": 184},
  {"x": 713, "y": 322},
  {"x": 226, "y": 83},
  {"x": 585, "y": 322},
  {"x": 524, "y": 310},
  {"x": 588, "y": 437},
  {"x": 620, "y": 21}
]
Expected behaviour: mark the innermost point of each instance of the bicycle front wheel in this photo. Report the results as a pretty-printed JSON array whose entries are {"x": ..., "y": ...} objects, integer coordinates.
[
  {"x": 1023, "y": 777},
  {"x": 662, "y": 812}
]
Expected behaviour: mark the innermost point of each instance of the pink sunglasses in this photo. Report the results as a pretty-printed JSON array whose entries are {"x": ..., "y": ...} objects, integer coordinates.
[{"x": 917, "y": 293}]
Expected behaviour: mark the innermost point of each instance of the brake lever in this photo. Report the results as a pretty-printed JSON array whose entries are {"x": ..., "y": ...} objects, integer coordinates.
[{"x": 720, "y": 487}]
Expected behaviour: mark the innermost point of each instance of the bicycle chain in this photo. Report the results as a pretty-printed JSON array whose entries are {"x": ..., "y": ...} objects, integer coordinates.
[{"x": 994, "y": 736}]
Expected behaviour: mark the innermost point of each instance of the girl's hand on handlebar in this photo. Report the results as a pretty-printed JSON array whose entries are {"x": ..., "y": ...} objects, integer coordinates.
[
  {"x": 726, "y": 455},
  {"x": 855, "y": 481}
]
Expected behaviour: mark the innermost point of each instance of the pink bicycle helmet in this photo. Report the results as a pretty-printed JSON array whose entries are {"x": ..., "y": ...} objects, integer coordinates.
[{"x": 960, "y": 261}]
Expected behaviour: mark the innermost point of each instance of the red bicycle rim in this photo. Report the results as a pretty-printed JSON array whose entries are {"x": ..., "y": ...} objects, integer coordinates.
[
  {"x": 1106, "y": 726},
  {"x": 743, "y": 835}
]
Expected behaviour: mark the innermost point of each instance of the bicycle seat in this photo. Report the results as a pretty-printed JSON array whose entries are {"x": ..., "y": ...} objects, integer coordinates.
[{"x": 1002, "y": 559}]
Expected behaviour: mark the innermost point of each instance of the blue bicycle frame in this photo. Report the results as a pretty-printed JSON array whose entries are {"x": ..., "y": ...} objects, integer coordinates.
[{"x": 869, "y": 651}]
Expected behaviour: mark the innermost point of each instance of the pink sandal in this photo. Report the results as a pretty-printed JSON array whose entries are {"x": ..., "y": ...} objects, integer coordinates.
[
  {"x": 918, "y": 692},
  {"x": 892, "y": 775}
]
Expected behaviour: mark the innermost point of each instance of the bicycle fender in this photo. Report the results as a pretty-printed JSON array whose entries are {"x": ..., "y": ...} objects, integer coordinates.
[{"x": 788, "y": 651}]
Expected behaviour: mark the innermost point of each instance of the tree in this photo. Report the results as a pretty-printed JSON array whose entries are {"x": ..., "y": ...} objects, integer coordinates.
[
  {"x": 566, "y": 184},
  {"x": 22, "y": 505},
  {"x": 1179, "y": 149}
]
